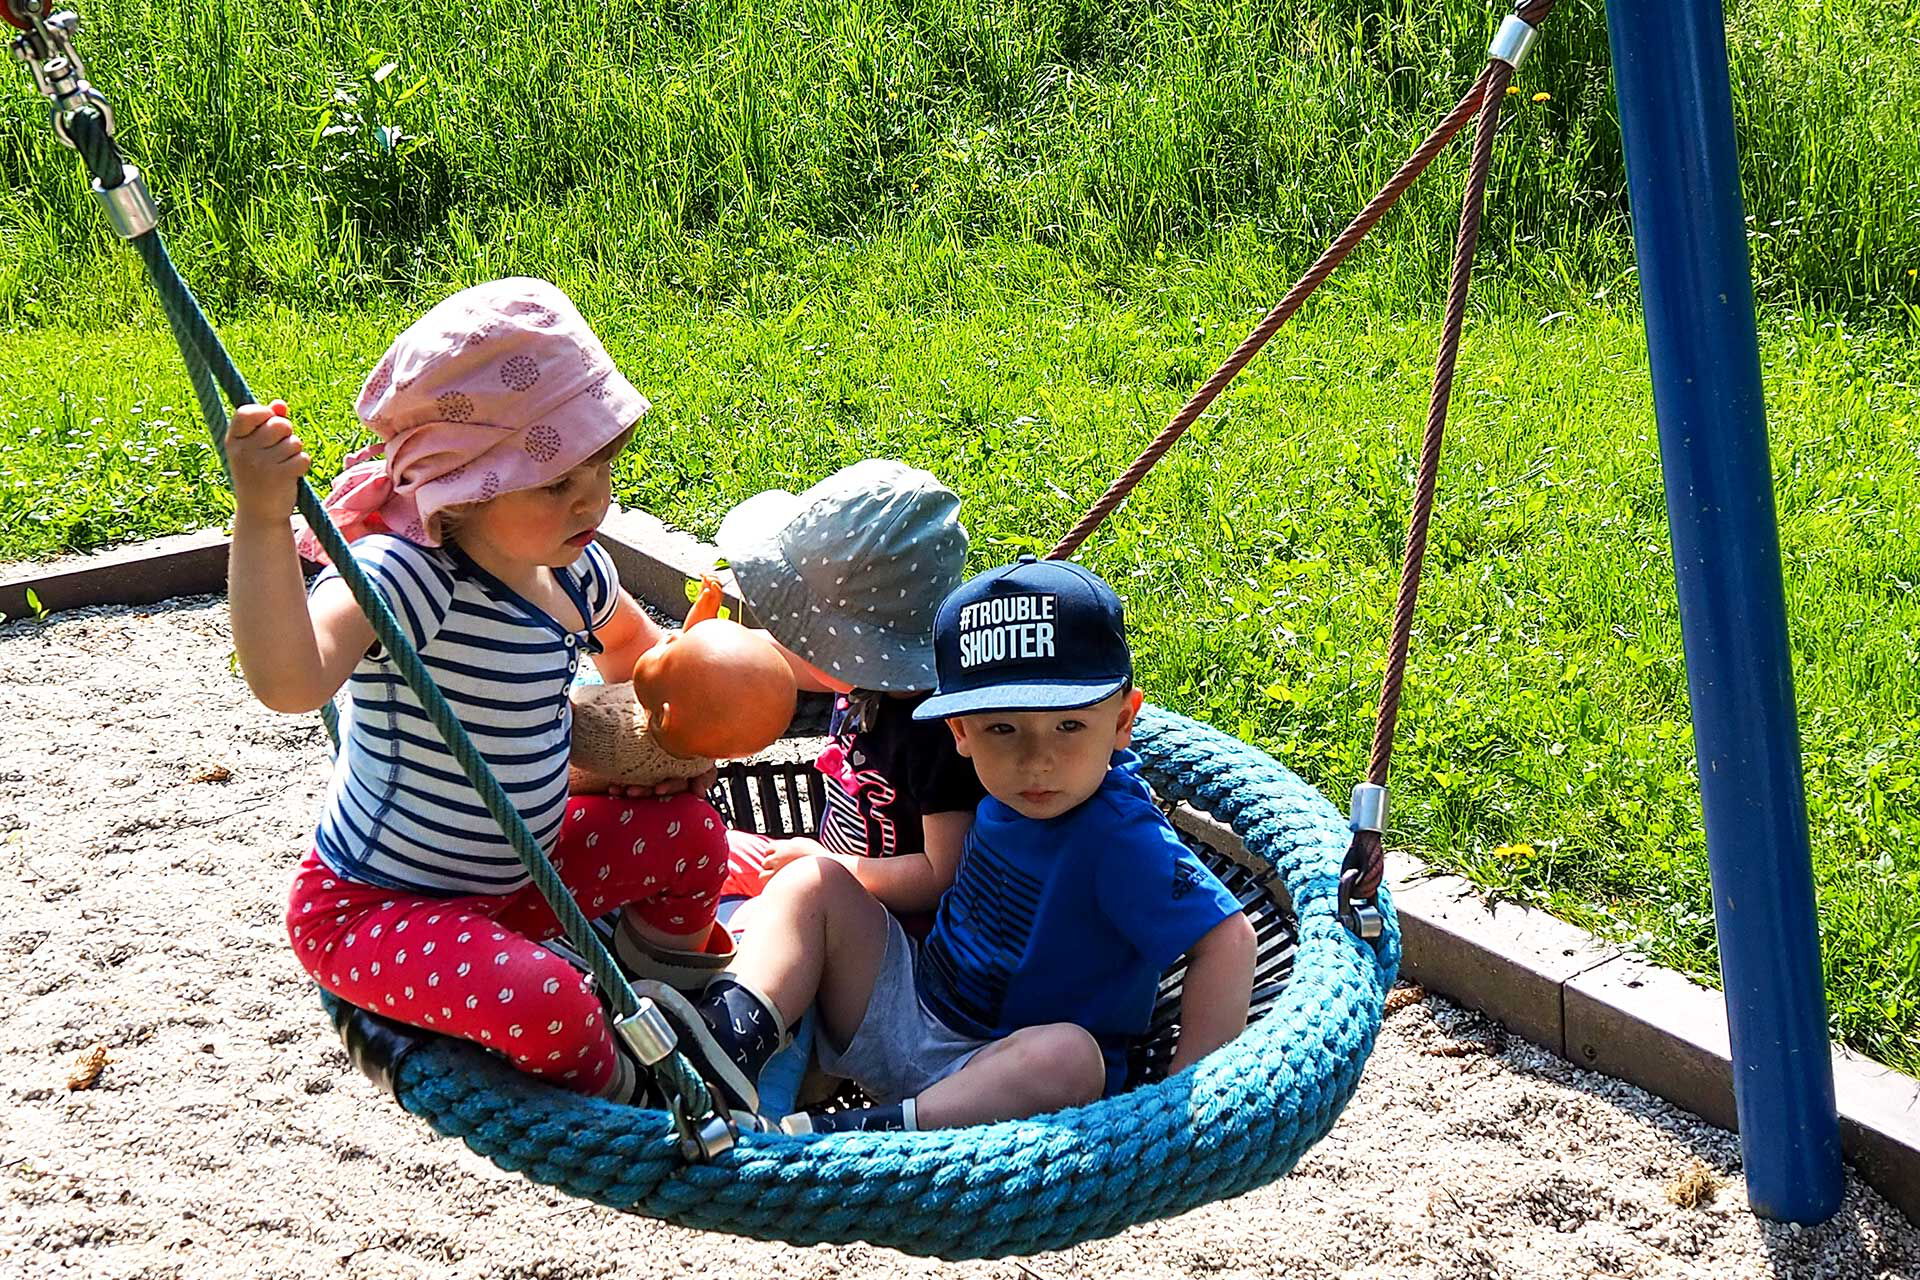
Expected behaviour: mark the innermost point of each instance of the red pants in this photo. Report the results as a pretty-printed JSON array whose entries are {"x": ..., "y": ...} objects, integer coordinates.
[
  {"x": 746, "y": 864},
  {"x": 472, "y": 966}
]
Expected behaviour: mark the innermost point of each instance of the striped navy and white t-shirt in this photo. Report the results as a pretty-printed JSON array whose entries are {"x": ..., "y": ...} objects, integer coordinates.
[{"x": 401, "y": 813}]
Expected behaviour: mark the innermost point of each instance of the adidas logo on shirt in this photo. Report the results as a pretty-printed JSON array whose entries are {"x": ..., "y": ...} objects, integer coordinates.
[{"x": 1186, "y": 878}]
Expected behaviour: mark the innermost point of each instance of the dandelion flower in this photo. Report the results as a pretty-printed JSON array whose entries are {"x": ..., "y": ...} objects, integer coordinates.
[
  {"x": 1542, "y": 97},
  {"x": 1512, "y": 89},
  {"x": 1514, "y": 852},
  {"x": 1912, "y": 271}
]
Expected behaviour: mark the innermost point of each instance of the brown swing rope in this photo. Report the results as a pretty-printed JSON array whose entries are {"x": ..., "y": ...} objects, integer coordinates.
[
  {"x": 1303, "y": 289},
  {"x": 1367, "y": 852},
  {"x": 1366, "y": 860}
]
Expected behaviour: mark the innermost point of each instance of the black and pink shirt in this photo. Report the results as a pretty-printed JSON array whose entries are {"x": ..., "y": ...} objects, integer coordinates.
[{"x": 884, "y": 770}]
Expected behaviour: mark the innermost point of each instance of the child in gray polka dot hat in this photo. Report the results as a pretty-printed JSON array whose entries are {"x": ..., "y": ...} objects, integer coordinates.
[{"x": 847, "y": 577}]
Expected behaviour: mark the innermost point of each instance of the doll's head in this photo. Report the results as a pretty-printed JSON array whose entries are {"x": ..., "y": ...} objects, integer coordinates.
[{"x": 716, "y": 689}]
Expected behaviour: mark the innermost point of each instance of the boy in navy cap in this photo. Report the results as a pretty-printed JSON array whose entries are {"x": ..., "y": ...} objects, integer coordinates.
[{"x": 1071, "y": 897}]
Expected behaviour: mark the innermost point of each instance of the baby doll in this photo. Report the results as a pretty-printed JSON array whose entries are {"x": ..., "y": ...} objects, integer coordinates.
[{"x": 713, "y": 691}]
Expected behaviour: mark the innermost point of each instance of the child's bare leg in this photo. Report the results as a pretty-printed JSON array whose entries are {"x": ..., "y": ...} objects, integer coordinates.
[
  {"x": 1032, "y": 1071},
  {"x": 816, "y": 935}
]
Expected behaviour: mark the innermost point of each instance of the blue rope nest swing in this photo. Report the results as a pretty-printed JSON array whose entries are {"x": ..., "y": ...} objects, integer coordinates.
[{"x": 1238, "y": 1119}]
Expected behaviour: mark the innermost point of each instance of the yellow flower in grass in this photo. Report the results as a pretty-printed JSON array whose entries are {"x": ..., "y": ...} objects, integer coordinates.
[
  {"x": 1543, "y": 97},
  {"x": 1514, "y": 853},
  {"x": 1512, "y": 89}
]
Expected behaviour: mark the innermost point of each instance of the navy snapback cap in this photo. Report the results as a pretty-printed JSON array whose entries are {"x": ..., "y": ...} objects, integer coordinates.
[{"x": 1035, "y": 635}]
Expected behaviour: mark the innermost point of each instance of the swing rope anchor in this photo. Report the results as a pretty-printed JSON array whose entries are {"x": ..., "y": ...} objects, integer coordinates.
[
  {"x": 1358, "y": 911},
  {"x": 651, "y": 1037},
  {"x": 45, "y": 44}
]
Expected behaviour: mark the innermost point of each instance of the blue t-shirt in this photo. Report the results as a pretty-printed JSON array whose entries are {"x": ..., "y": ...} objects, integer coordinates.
[{"x": 1068, "y": 919}]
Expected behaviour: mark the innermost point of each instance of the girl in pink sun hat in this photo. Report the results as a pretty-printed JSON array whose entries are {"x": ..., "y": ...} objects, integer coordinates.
[{"x": 498, "y": 415}]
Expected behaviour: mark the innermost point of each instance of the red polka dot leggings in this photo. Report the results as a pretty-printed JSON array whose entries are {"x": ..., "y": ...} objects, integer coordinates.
[{"x": 473, "y": 966}]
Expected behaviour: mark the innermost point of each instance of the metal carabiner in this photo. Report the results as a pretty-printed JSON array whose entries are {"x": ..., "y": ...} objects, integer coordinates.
[
  {"x": 1362, "y": 917},
  {"x": 46, "y": 46},
  {"x": 1369, "y": 810}
]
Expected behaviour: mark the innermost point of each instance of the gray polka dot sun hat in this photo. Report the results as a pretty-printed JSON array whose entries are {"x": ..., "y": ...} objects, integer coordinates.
[{"x": 850, "y": 573}]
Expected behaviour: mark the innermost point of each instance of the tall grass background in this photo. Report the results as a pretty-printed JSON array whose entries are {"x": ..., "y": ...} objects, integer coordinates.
[{"x": 330, "y": 155}]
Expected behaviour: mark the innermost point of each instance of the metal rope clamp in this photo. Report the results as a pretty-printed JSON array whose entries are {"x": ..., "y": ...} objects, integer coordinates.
[
  {"x": 46, "y": 46},
  {"x": 129, "y": 207},
  {"x": 1513, "y": 41},
  {"x": 1369, "y": 813},
  {"x": 647, "y": 1032},
  {"x": 651, "y": 1037}
]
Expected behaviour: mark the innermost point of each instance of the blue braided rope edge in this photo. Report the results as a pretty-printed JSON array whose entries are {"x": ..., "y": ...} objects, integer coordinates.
[{"x": 1237, "y": 1120}]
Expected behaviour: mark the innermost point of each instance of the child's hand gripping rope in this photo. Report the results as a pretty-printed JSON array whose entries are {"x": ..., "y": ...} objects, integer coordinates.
[{"x": 267, "y": 461}]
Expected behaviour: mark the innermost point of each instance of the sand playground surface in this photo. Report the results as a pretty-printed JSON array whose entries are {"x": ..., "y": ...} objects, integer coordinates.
[{"x": 151, "y": 814}]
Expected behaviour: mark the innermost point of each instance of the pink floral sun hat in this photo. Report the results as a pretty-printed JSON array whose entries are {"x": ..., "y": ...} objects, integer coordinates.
[{"x": 501, "y": 387}]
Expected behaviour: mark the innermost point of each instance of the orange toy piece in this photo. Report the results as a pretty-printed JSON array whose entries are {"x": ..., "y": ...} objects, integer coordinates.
[
  {"x": 713, "y": 691},
  {"x": 707, "y": 604}
]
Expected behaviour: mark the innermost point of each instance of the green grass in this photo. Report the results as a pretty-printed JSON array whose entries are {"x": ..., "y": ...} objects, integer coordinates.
[
  {"x": 1545, "y": 748},
  {"x": 661, "y": 140}
]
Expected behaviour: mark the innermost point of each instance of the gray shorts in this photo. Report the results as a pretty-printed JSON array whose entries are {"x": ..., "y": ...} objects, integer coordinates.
[{"x": 899, "y": 1049}]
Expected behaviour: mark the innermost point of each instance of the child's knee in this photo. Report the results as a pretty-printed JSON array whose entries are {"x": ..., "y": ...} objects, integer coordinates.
[
  {"x": 1065, "y": 1062},
  {"x": 571, "y": 1006},
  {"x": 678, "y": 856},
  {"x": 696, "y": 827},
  {"x": 813, "y": 881}
]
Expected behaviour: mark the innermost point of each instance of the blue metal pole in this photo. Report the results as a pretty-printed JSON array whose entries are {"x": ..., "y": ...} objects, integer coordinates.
[{"x": 1676, "y": 123}]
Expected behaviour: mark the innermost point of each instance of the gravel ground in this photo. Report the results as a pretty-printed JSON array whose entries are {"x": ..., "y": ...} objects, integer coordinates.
[{"x": 150, "y": 816}]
